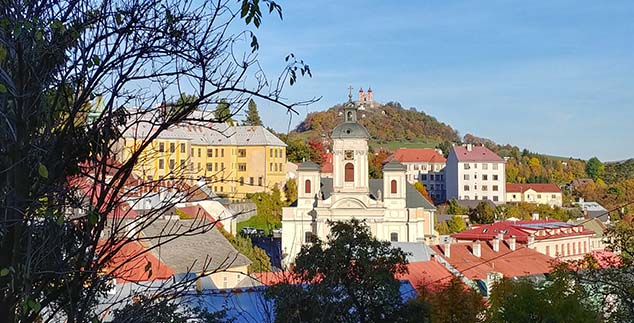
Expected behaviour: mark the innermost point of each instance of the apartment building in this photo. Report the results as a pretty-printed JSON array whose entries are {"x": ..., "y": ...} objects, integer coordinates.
[
  {"x": 549, "y": 194},
  {"x": 423, "y": 165},
  {"x": 233, "y": 160},
  {"x": 475, "y": 173}
]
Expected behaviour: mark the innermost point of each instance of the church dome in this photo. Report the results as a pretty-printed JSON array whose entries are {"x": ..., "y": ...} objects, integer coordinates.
[{"x": 350, "y": 130}]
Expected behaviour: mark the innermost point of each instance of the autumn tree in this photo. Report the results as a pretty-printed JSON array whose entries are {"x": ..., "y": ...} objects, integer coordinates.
[
  {"x": 455, "y": 209},
  {"x": 290, "y": 190},
  {"x": 595, "y": 168},
  {"x": 456, "y": 224},
  {"x": 253, "y": 116},
  {"x": 75, "y": 76},
  {"x": 482, "y": 214},
  {"x": 452, "y": 302},
  {"x": 347, "y": 278},
  {"x": 423, "y": 191}
]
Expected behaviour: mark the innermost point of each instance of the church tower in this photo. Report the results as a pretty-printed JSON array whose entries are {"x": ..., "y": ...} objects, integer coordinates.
[{"x": 350, "y": 153}]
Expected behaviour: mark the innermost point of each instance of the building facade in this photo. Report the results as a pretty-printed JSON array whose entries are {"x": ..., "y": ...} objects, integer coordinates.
[
  {"x": 423, "y": 165},
  {"x": 391, "y": 207},
  {"x": 233, "y": 160},
  {"x": 549, "y": 194},
  {"x": 475, "y": 173}
]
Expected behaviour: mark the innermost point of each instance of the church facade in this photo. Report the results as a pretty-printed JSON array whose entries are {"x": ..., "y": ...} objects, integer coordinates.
[{"x": 390, "y": 206}]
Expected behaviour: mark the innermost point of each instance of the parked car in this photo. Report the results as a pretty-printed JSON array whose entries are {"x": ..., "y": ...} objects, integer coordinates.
[
  {"x": 248, "y": 231},
  {"x": 276, "y": 233}
]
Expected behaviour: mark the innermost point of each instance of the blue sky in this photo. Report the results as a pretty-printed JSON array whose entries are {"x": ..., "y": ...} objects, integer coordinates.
[{"x": 556, "y": 77}]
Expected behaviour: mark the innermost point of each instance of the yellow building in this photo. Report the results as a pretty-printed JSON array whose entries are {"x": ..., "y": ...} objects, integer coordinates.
[
  {"x": 233, "y": 160},
  {"x": 549, "y": 194}
]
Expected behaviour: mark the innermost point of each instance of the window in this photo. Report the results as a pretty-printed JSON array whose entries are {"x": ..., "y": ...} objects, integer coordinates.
[
  {"x": 222, "y": 152},
  {"x": 475, "y": 176},
  {"x": 242, "y": 167},
  {"x": 307, "y": 186},
  {"x": 183, "y": 148},
  {"x": 431, "y": 187},
  {"x": 182, "y": 164},
  {"x": 222, "y": 166},
  {"x": 216, "y": 167},
  {"x": 485, "y": 177},
  {"x": 431, "y": 177},
  {"x": 485, "y": 197},
  {"x": 556, "y": 250},
  {"x": 495, "y": 198},
  {"x": 270, "y": 167},
  {"x": 424, "y": 177},
  {"x": 485, "y": 166},
  {"x": 192, "y": 152},
  {"x": 210, "y": 152},
  {"x": 172, "y": 147},
  {"x": 260, "y": 181},
  {"x": 466, "y": 188},
  {"x": 280, "y": 167},
  {"x": 548, "y": 250},
  {"x": 198, "y": 168},
  {"x": 172, "y": 162},
  {"x": 216, "y": 152},
  {"x": 465, "y": 177},
  {"x": 199, "y": 152},
  {"x": 349, "y": 172},
  {"x": 241, "y": 181},
  {"x": 495, "y": 166},
  {"x": 221, "y": 189},
  {"x": 495, "y": 188},
  {"x": 495, "y": 177},
  {"x": 485, "y": 188},
  {"x": 539, "y": 196},
  {"x": 394, "y": 237},
  {"x": 466, "y": 166},
  {"x": 242, "y": 153},
  {"x": 275, "y": 152},
  {"x": 393, "y": 186},
  {"x": 514, "y": 196},
  {"x": 251, "y": 181},
  {"x": 553, "y": 196},
  {"x": 161, "y": 147},
  {"x": 475, "y": 165},
  {"x": 271, "y": 153},
  {"x": 161, "y": 164},
  {"x": 275, "y": 167},
  {"x": 210, "y": 167}
]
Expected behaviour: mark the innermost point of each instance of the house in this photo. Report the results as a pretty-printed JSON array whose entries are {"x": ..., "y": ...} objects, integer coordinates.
[
  {"x": 475, "y": 173},
  {"x": 552, "y": 238},
  {"x": 549, "y": 194},
  {"x": 391, "y": 207},
  {"x": 597, "y": 242},
  {"x": 235, "y": 160},
  {"x": 592, "y": 210},
  {"x": 423, "y": 165},
  {"x": 423, "y": 268}
]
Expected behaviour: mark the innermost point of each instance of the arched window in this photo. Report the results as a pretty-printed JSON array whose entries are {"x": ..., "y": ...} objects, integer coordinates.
[
  {"x": 349, "y": 172},
  {"x": 394, "y": 237},
  {"x": 349, "y": 115},
  {"x": 307, "y": 186},
  {"x": 393, "y": 186}
]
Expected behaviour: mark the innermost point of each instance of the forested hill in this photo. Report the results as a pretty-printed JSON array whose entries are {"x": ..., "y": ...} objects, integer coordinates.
[{"x": 385, "y": 122}]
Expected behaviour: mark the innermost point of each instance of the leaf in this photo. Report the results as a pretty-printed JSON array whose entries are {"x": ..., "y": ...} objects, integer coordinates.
[
  {"x": 4, "y": 272},
  {"x": 119, "y": 19},
  {"x": 60, "y": 219},
  {"x": 245, "y": 9},
  {"x": 42, "y": 170},
  {"x": 148, "y": 266},
  {"x": 95, "y": 59},
  {"x": 3, "y": 89},
  {"x": 93, "y": 218},
  {"x": 34, "y": 305}
]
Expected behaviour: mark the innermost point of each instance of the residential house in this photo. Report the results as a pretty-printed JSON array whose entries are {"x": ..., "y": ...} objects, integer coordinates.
[
  {"x": 423, "y": 165},
  {"x": 475, "y": 173},
  {"x": 593, "y": 210},
  {"x": 549, "y": 194}
]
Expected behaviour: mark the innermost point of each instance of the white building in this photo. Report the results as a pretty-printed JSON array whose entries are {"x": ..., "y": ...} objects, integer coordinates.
[
  {"x": 423, "y": 165},
  {"x": 475, "y": 173},
  {"x": 391, "y": 207}
]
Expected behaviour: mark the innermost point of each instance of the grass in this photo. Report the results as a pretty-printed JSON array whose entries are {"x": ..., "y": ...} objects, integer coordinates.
[{"x": 259, "y": 222}]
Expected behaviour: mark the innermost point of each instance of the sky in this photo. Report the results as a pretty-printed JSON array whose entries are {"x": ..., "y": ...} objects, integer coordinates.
[{"x": 555, "y": 77}]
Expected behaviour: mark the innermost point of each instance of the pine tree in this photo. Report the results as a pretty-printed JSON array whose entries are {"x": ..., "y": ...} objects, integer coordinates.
[{"x": 253, "y": 116}]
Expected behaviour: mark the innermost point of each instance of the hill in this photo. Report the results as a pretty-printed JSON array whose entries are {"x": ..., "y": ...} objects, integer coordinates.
[{"x": 387, "y": 123}]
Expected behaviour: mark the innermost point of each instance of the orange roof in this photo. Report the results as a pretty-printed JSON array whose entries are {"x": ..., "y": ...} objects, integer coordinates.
[
  {"x": 540, "y": 188},
  {"x": 196, "y": 211},
  {"x": 521, "y": 262},
  {"x": 326, "y": 163},
  {"x": 413, "y": 155},
  {"x": 273, "y": 278},
  {"x": 428, "y": 274},
  {"x": 129, "y": 263}
]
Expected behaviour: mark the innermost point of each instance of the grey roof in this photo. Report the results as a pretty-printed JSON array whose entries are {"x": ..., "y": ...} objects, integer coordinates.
[
  {"x": 208, "y": 133},
  {"x": 394, "y": 166},
  {"x": 203, "y": 247},
  {"x": 413, "y": 199},
  {"x": 350, "y": 130},
  {"x": 309, "y": 166},
  {"x": 472, "y": 204},
  {"x": 417, "y": 251}
]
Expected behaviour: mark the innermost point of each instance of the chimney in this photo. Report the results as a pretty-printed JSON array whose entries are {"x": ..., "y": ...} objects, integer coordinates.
[
  {"x": 495, "y": 244},
  {"x": 531, "y": 241},
  {"x": 535, "y": 216},
  {"x": 469, "y": 147},
  {"x": 512, "y": 243},
  {"x": 476, "y": 248},
  {"x": 447, "y": 249}
]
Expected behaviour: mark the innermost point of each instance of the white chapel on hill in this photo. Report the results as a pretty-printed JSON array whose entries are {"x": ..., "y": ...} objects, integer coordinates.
[{"x": 392, "y": 208}]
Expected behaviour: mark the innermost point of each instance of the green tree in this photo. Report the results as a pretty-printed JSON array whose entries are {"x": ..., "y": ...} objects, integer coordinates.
[
  {"x": 297, "y": 151},
  {"x": 595, "y": 168},
  {"x": 253, "y": 116},
  {"x": 290, "y": 191},
  {"x": 455, "y": 208},
  {"x": 445, "y": 146},
  {"x": 223, "y": 112},
  {"x": 456, "y": 224},
  {"x": 453, "y": 302},
  {"x": 349, "y": 278},
  {"x": 482, "y": 214}
]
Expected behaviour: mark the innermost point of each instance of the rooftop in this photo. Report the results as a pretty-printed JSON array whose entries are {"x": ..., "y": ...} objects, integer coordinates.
[
  {"x": 543, "y": 229},
  {"x": 539, "y": 188},
  {"x": 471, "y": 153},
  {"x": 416, "y": 155}
]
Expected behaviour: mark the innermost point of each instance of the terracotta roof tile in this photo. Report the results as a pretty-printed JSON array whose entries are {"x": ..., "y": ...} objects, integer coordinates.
[
  {"x": 522, "y": 229},
  {"x": 413, "y": 155},
  {"x": 477, "y": 154},
  {"x": 428, "y": 274},
  {"x": 129, "y": 264}
]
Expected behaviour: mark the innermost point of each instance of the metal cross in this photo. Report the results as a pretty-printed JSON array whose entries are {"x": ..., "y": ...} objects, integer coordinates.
[{"x": 350, "y": 93}]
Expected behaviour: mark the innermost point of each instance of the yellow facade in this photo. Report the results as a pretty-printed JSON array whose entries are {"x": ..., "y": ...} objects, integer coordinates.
[
  {"x": 531, "y": 196},
  {"x": 230, "y": 170}
]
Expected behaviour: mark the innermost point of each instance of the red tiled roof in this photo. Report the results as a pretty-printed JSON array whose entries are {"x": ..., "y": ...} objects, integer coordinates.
[
  {"x": 428, "y": 274},
  {"x": 196, "y": 211},
  {"x": 273, "y": 278},
  {"x": 326, "y": 163},
  {"x": 129, "y": 264},
  {"x": 477, "y": 154},
  {"x": 521, "y": 230},
  {"x": 521, "y": 262},
  {"x": 413, "y": 155},
  {"x": 540, "y": 188}
]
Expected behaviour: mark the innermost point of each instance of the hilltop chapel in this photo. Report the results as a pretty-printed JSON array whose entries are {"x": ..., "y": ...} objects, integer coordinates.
[{"x": 391, "y": 207}]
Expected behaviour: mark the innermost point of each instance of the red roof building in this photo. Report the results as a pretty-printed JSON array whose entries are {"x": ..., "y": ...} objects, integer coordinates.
[
  {"x": 326, "y": 165},
  {"x": 423, "y": 165},
  {"x": 534, "y": 193},
  {"x": 430, "y": 275},
  {"x": 129, "y": 264},
  {"x": 471, "y": 153},
  {"x": 416, "y": 155},
  {"x": 541, "y": 188},
  {"x": 550, "y": 237}
]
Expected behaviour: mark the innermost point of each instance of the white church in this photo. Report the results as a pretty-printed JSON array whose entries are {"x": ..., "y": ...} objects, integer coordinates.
[{"x": 392, "y": 208}]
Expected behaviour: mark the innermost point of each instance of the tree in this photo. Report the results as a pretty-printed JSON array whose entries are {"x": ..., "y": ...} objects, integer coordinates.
[
  {"x": 482, "y": 214},
  {"x": 594, "y": 168},
  {"x": 290, "y": 190},
  {"x": 455, "y": 208},
  {"x": 223, "y": 112},
  {"x": 423, "y": 191},
  {"x": 297, "y": 151},
  {"x": 375, "y": 163},
  {"x": 253, "y": 116},
  {"x": 445, "y": 147},
  {"x": 453, "y": 302},
  {"x": 75, "y": 76},
  {"x": 348, "y": 278},
  {"x": 456, "y": 224}
]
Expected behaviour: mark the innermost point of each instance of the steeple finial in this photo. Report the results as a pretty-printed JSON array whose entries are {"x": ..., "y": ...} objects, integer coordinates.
[{"x": 350, "y": 93}]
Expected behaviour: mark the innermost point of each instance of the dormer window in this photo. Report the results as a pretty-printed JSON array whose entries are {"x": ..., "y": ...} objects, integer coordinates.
[{"x": 349, "y": 116}]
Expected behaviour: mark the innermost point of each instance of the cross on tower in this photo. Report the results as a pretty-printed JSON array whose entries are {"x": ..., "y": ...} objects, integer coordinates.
[{"x": 350, "y": 93}]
